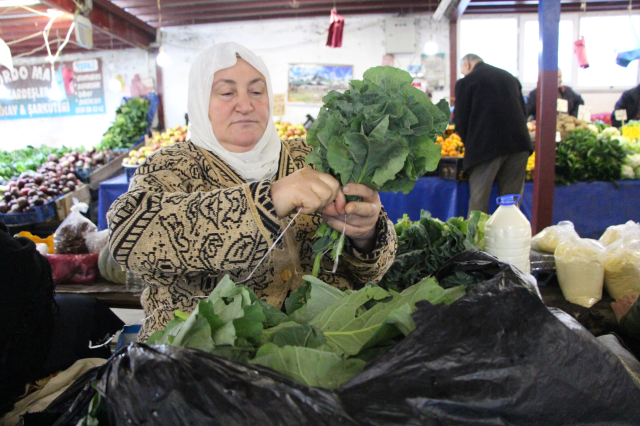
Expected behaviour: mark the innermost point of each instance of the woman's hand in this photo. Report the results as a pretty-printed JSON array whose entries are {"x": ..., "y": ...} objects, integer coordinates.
[
  {"x": 309, "y": 191},
  {"x": 362, "y": 216}
]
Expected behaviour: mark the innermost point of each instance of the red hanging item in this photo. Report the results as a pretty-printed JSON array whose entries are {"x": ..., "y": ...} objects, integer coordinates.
[
  {"x": 581, "y": 52},
  {"x": 334, "y": 38}
]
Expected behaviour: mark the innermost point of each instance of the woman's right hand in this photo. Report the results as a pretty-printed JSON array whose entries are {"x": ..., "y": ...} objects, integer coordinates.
[{"x": 309, "y": 191}]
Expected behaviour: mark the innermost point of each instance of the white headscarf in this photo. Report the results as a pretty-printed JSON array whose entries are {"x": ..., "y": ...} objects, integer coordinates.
[{"x": 262, "y": 161}]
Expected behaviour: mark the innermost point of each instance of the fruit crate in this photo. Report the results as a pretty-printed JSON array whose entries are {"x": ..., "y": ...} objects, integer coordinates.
[
  {"x": 450, "y": 168},
  {"x": 64, "y": 203},
  {"x": 38, "y": 215}
]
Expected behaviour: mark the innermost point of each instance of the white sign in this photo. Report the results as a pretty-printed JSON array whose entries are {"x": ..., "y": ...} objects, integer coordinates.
[
  {"x": 278, "y": 104},
  {"x": 621, "y": 114},
  {"x": 558, "y": 137},
  {"x": 563, "y": 105},
  {"x": 584, "y": 113}
]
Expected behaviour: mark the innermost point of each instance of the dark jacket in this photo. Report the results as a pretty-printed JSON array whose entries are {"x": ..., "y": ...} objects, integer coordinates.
[
  {"x": 630, "y": 100},
  {"x": 489, "y": 115},
  {"x": 564, "y": 92}
]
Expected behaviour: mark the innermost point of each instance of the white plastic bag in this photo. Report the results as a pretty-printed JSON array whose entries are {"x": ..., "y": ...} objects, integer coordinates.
[
  {"x": 97, "y": 240},
  {"x": 548, "y": 239},
  {"x": 621, "y": 261},
  {"x": 70, "y": 235},
  {"x": 580, "y": 273},
  {"x": 614, "y": 233}
]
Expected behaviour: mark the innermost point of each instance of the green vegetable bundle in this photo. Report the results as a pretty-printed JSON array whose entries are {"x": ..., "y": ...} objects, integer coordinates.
[
  {"x": 380, "y": 133},
  {"x": 425, "y": 245},
  {"x": 130, "y": 125},
  {"x": 583, "y": 156},
  {"x": 323, "y": 340}
]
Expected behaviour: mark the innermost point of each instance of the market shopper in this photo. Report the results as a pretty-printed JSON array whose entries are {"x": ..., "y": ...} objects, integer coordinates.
[
  {"x": 574, "y": 100},
  {"x": 214, "y": 205},
  {"x": 490, "y": 117},
  {"x": 629, "y": 101}
]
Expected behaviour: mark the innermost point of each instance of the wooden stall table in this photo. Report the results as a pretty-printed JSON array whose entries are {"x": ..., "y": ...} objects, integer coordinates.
[{"x": 114, "y": 295}]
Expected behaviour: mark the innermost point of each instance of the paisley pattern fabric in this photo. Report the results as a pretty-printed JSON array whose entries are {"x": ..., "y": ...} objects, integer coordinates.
[{"x": 188, "y": 219}]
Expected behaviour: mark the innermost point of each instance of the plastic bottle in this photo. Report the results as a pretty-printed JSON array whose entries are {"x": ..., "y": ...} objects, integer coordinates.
[{"x": 508, "y": 234}]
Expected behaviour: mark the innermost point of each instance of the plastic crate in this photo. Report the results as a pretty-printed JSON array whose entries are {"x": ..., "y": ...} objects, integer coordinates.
[
  {"x": 39, "y": 215},
  {"x": 450, "y": 168}
]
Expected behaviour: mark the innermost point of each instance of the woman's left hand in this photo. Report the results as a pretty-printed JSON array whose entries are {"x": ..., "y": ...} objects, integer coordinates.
[{"x": 361, "y": 218}]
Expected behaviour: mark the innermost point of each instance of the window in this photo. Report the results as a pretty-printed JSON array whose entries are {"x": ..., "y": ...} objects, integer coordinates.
[
  {"x": 531, "y": 47},
  {"x": 494, "y": 40},
  {"x": 605, "y": 37}
]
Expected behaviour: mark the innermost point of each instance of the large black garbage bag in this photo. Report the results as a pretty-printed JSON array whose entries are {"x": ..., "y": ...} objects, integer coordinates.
[
  {"x": 164, "y": 385},
  {"x": 495, "y": 357}
]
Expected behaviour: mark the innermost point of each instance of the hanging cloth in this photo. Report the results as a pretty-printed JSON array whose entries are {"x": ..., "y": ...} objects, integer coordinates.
[
  {"x": 334, "y": 38},
  {"x": 581, "y": 52},
  {"x": 624, "y": 58}
]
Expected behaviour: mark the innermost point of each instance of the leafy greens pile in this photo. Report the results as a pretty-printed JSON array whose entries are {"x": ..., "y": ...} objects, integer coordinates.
[
  {"x": 425, "y": 245},
  {"x": 380, "y": 133},
  {"x": 583, "y": 156},
  {"x": 323, "y": 340},
  {"x": 131, "y": 123},
  {"x": 12, "y": 163}
]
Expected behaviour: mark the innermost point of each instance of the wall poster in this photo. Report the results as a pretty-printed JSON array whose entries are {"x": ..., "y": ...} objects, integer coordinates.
[
  {"x": 308, "y": 83},
  {"x": 28, "y": 94}
]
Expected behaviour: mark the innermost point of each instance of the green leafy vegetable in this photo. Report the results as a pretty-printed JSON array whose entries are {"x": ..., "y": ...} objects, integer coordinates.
[
  {"x": 324, "y": 341},
  {"x": 583, "y": 156},
  {"x": 425, "y": 245},
  {"x": 379, "y": 133},
  {"x": 129, "y": 126}
]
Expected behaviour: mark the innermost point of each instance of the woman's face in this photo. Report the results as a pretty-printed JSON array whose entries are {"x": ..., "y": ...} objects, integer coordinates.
[{"x": 239, "y": 106}]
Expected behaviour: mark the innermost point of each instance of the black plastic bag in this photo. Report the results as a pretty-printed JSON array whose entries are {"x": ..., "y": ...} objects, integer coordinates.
[
  {"x": 164, "y": 385},
  {"x": 497, "y": 356}
]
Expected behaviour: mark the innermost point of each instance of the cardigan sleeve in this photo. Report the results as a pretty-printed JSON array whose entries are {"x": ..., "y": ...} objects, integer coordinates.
[{"x": 168, "y": 224}]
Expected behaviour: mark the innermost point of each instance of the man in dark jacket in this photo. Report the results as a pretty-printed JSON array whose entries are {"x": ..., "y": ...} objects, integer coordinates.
[
  {"x": 490, "y": 117},
  {"x": 630, "y": 101},
  {"x": 573, "y": 99}
]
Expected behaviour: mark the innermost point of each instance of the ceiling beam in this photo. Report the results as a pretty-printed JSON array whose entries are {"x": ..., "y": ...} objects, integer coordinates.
[
  {"x": 459, "y": 11},
  {"x": 110, "y": 19}
]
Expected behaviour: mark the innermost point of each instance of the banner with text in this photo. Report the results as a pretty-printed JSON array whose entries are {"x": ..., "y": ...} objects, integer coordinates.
[{"x": 31, "y": 91}]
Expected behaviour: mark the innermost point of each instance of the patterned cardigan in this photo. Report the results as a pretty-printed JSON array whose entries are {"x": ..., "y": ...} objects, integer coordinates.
[{"x": 188, "y": 219}]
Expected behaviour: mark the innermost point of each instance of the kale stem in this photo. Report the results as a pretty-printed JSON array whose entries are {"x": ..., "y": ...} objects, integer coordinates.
[{"x": 316, "y": 264}]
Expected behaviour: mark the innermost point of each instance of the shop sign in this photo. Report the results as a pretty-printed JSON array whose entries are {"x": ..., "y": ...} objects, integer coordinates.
[{"x": 80, "y": 90}]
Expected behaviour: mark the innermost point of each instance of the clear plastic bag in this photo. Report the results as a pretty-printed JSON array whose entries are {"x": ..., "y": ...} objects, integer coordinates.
[
  {"x": 580, "y": 273},
  {"x": 614, "y": 233},
  {"x": 548, "y": 239},
  {"x": 97, "y": 240},
  {"x": 70, "y": 235},
  {"x": 621, "y": 261}
]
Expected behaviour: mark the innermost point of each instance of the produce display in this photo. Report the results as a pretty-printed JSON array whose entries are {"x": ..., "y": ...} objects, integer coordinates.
[
  {"x": 35, "y": 189},
  {"x": 452, "y": 146},
  {"x": 585, "y": 156},
  {"x": 129, "y": 126},
  {"x": 325, "y": 337},
  {"x": 12, "y": 163},
  {"x": 287, "y": 130},
  {"x": 380, "y": 133},
  {"x": 156, "y": 142},
  {"x": 425, "y": 245},
  {"x": 531, "y": 165}
]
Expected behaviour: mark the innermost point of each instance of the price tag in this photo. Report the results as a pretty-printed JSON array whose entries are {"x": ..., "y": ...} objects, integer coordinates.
[
  {"x": 558, "y": 137},
  {"x": 563, "y": 105},
  {"x": 621, "y": 114},
  {"x": 278, "y": 104},
  {"x": 584, "y": 113}
]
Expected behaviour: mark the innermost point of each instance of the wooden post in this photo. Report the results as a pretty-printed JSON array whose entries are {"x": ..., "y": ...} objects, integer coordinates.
[
  {"x": 160, "y": 93},
  {"x": 453, "y": 60},
  {"x": 546, "y": 112}
]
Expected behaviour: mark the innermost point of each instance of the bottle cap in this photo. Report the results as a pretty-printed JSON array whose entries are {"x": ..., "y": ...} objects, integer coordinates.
[{"x": 508, "y": 200}]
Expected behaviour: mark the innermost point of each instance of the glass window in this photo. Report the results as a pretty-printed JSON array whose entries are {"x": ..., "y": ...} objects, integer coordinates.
[
  {"x": 605, "y": 37},
  {"x": 494, "y": 40},
  {"x": 531, "y": 47}
]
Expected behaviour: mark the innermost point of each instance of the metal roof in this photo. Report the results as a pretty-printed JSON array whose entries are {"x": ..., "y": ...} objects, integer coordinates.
[{"x": 119, "y": 24}]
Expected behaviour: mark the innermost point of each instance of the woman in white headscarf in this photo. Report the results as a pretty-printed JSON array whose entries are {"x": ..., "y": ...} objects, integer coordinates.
[{"x": 214, "y": 205}]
